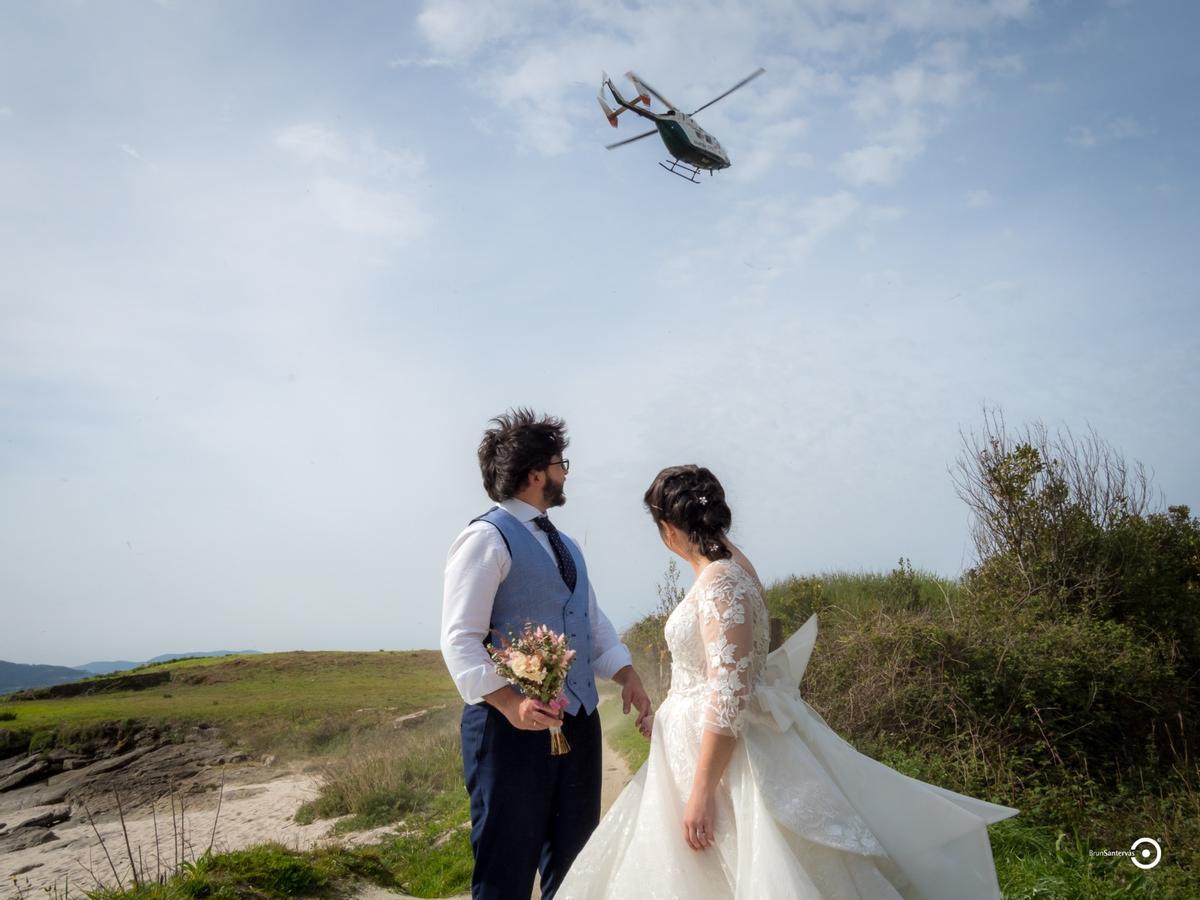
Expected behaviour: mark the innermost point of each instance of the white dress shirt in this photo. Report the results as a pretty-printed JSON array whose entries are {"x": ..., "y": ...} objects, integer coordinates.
[{"x": 478, "y": 561}]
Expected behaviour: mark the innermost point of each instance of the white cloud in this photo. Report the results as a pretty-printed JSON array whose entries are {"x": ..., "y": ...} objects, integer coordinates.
[
  {"x": 131, "y": 151},
  {"x": 357, "y": 184},
  {"x": 385, "y": 214},
  {"x": 1009, "y": 64},
  {"x": 1049, "y": 88},
  {"x": 768, "y": 145},
  {"x": 874, "y": 164},
  {"x": 1082, "y": 136},
  {"x": 979, "y": 198},
  {"x": 885, "y": 214},
  {"x": 312, "y": 142},
  {"x": 432, "y": 62},
  {"x": 901, "y": 110},
  {"x": 458, "y": 28},
  {"x": 1115, "y": 128}
]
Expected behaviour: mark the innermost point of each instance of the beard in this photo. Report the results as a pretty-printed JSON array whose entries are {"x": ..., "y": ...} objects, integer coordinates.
[{"x": 553, "y": 494}]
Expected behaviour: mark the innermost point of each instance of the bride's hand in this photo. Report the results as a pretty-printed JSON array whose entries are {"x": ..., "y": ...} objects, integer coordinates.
[
  {"x": 645, "y": 724},
  {"x": 699, "y": 817}
]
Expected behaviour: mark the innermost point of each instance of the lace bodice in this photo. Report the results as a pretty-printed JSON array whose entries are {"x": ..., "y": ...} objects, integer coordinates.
[{"x": 718, "y": 636}]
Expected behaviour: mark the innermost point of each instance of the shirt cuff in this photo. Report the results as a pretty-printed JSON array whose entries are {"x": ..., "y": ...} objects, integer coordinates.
[
  {"x": 475, "y": 684},
  {"x": 612, "y": 661}
]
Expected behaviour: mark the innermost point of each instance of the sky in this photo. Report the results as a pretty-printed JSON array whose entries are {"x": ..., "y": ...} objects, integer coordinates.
[{"x": 269, "y": 268}]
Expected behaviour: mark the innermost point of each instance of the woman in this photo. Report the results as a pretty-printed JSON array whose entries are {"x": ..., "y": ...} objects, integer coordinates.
[{"x": 747, "y": 793}]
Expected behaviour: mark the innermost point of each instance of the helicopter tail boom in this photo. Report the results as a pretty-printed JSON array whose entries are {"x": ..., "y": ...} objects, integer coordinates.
[{"x": 623, "y": 104}]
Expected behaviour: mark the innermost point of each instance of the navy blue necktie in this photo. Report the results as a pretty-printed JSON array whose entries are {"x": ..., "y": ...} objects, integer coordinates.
[{"x": 566, "y": 564}]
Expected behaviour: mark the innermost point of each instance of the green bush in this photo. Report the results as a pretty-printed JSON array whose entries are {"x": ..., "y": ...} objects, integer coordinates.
[
  {"x": 1069, "y": 521},
  {"x": 1076, "y": 692}
]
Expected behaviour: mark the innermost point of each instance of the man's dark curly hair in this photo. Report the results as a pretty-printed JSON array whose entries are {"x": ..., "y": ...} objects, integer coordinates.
[{"x": 519, "y": 442}]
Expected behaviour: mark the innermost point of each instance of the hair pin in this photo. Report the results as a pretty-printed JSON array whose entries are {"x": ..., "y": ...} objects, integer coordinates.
[{"x": 703, "y": 500}]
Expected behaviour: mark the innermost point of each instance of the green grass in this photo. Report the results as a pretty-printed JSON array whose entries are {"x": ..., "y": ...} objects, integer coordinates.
[
  {"x": 266, "y": 871},
  {"x": 290, "y": 704},
  {"x": 383, "y": 776},
  {"x": 622, "y": 734}
]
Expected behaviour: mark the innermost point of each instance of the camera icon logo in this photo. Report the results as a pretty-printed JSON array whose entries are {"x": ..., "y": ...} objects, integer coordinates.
[{"x": 1145, "y": 852}]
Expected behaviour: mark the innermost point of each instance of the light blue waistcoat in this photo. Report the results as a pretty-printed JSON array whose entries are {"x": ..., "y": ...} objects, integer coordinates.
[{"x": 535, "y": 592}]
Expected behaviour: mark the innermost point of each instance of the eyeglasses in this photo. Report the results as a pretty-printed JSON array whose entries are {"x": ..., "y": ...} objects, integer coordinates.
[{"x": 565, "y": 463}]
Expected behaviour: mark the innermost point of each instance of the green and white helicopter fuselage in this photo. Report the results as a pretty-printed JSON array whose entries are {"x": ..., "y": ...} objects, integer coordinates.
[{"x": 694, "y": 148}]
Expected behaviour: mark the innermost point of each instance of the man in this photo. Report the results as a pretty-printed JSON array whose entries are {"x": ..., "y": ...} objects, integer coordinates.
[{"x": 529, "y": 810}]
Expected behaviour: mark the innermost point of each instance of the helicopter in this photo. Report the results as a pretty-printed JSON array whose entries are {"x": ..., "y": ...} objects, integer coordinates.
[{"x": 693, "y": 148}]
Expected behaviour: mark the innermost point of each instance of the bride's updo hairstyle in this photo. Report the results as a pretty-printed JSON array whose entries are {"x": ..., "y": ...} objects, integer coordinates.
[{"x": 691, "y": 499}]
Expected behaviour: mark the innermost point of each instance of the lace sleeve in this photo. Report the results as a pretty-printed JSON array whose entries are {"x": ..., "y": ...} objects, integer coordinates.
[{"x": 727, "y": 626}]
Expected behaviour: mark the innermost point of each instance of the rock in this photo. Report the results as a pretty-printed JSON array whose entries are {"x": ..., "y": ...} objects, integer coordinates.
[
  {"x": 268, "y": 759},
  {"x": 24, "y": 838},
  {"x": 77, "y": 762},
  {"x": 444, "y": 838},
  {"x": 39, "y": 770},
  {"x": 28, "y": 868},
  {"x": 19, "y": 764},
  {"x": 98, "y": 768},
  {"x": 45, "y": 818},
  {"x": 411, "y": 719}
]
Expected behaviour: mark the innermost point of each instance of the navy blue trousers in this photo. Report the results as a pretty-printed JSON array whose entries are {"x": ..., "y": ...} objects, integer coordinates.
[{"x": 530, "y": 811}]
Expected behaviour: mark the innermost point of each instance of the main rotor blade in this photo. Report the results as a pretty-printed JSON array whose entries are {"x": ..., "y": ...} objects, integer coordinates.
[
  {"x": 745, "y": 81},
  {"x": 631, "y": 140},
  {"x": 641, "y": 83}
]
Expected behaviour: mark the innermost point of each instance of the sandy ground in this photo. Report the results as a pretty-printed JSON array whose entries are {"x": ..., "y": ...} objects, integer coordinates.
[{"x": 252, "y": 812}]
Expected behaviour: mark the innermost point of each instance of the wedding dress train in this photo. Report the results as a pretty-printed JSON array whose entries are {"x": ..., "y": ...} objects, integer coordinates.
[{"x": 799, "y": 813}]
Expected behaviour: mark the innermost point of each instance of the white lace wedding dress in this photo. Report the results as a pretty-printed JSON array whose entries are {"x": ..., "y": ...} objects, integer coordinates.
[{"x": 799, "y": 813}]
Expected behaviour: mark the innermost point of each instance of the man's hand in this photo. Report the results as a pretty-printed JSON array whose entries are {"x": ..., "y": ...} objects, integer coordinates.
[
  {"x": 634, "y": 695},
  {"x": 525, "y": 713}
]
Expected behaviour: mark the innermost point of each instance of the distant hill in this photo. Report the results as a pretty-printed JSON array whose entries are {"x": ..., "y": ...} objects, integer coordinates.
[
  {"x": 167, "y": 657},
  {"x": 18, "y": 676},
  {"x": 107, "y": 667}
]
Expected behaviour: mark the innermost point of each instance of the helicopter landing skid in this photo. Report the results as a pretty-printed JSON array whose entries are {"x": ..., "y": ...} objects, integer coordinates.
[{"x": 683, "y": 170}]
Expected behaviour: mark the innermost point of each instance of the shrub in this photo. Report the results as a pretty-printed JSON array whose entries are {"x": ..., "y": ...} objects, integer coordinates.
[
  {"x": 1086, "y": 601},
  {"x": 1068, "y": 520}
]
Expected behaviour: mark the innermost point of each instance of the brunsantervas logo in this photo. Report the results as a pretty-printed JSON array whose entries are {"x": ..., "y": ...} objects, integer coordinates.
[{"x": 1139, "y": 857}]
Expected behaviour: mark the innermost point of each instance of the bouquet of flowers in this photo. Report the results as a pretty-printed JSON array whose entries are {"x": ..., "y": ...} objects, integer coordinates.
[{"x": 536, "y": 663}]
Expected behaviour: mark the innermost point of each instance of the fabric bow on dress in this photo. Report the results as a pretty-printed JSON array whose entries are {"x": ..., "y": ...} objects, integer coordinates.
[{"x": 936, "y": 837}]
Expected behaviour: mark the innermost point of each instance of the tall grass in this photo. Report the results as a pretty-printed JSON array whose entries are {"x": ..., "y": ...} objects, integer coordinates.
[{"x": 383, "y": 776}]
